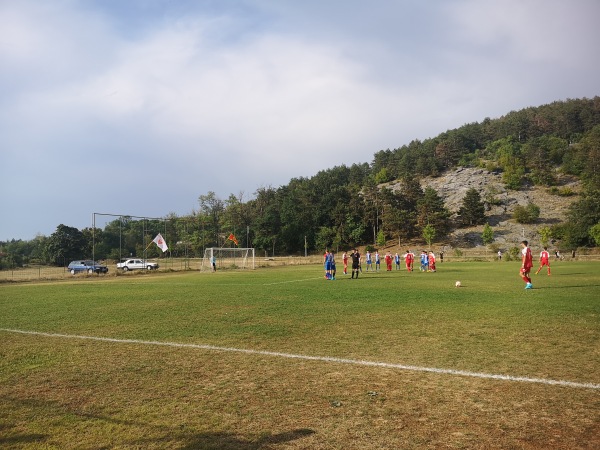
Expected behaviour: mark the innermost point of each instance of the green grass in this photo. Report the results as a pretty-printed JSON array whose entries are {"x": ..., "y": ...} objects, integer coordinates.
[{"x": 57, "y": 389}]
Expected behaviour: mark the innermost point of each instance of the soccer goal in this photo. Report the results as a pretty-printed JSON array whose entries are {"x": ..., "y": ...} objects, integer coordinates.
[{"x": 235, "y": 258}]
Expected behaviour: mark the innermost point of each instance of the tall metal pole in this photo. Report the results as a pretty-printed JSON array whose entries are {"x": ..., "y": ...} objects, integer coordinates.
[{"x": 94, "y": 236}]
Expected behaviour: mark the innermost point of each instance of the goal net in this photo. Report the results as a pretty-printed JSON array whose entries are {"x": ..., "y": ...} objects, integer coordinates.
[{"x": 232, "y": 258}]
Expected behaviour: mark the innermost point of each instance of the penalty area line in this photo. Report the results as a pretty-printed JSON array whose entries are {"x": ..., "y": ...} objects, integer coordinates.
[
  {"x": 355, "y": 362},
  {"x": 291, "y": 281}
]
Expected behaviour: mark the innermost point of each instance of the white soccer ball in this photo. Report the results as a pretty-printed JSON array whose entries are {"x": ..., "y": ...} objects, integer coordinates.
[{"x": 457, "y": 284}]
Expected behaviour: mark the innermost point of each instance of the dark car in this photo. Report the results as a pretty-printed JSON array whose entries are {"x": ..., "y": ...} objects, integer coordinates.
[{"x": 86, "y": 265}]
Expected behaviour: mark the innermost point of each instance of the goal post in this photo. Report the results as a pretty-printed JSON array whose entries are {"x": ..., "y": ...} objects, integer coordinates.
[{"x": 235, "y": 258}]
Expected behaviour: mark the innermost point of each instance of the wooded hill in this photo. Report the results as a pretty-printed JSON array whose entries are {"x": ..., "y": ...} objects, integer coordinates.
[{"x": 344, "y": 206}]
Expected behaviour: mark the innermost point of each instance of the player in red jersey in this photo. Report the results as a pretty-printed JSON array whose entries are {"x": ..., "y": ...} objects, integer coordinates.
[
  {"x": 431, "y": 262},
  {"x": 526, "y": 264},
  {"x": 388, "y": 261},
  {"x": 544, "y": 260},
  {"x": 409, "y": 259}
]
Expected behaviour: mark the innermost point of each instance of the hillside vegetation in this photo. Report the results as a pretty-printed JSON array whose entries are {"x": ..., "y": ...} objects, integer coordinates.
[{"x": 538, "y": 167}]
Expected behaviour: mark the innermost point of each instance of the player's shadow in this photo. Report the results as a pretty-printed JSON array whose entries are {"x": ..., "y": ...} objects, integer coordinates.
[{"x": 566, "y": 287}]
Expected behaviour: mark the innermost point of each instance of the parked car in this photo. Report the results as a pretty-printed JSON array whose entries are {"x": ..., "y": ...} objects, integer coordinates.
[
  {"x": 136, "y": 263},
  {"x": 86, "y": 265}
]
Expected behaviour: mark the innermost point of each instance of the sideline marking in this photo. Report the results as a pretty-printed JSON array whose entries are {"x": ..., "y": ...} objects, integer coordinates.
[{"x": 356, "y": 362}]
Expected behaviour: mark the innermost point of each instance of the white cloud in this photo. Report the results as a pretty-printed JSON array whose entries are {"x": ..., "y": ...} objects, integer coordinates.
[
  {"x": 550, "y": 31},
  {"x": 231, "y": 99}
]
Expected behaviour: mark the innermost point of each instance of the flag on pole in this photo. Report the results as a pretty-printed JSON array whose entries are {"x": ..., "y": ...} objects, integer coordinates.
[
  {"x": 158, "y": 240},
  {"x": 232, "y": 238}
]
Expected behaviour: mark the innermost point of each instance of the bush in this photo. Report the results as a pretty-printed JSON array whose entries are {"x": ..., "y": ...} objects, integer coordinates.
[
  {"x": 561, "y": 192},
  {"x": 526, "y": 214},
  {"x": 513, "y": 254}
]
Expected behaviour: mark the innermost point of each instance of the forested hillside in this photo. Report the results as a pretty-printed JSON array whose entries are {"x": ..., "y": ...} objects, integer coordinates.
[{"x": 355, "y": 205}]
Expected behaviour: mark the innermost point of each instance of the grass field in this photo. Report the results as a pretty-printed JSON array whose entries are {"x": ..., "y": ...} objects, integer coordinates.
[{"x": 247, "y": 360}]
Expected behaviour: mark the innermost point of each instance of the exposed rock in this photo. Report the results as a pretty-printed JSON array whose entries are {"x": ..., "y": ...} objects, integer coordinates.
[{"x": 500, "y": 204}]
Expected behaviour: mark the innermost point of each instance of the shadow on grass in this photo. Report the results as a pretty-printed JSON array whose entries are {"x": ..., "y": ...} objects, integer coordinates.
[
  {"x": 186, "y": 439},
  {"x": 571, "y": 286},
  {"x": 20, "y": 439},
  {"x": 229, "y": 441}
]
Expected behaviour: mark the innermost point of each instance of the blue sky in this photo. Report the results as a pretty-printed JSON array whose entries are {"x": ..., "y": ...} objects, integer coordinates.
[{"x": 139, "y": 107}]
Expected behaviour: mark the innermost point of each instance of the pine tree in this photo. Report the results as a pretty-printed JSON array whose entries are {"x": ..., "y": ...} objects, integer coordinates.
[
  {"x": 472, "y": 211},
  {"x": 431, "y": 210}
]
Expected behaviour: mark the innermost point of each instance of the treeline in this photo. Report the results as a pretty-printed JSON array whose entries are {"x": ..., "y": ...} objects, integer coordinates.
[{"x": 353, "y": 205}]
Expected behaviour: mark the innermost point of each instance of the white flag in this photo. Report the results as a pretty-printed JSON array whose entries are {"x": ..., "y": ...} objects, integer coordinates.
[{"x": 158, "y": 240}]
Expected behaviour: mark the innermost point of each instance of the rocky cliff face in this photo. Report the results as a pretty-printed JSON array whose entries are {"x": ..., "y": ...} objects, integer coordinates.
[{"x": 500, "y": 205}]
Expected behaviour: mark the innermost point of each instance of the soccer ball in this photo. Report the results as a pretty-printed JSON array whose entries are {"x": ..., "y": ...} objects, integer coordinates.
[{"x": 457, "y": 284}]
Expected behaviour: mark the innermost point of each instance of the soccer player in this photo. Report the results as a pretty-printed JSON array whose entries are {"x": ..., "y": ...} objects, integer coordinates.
[
  {"x": 333, "y": 269},
  {"x": 377, "y": 261},
  {"x": 345, "y": 259},
  {"x": 397, "y": 261},
  {"x": 409, "y": 258},
  {"x": 544, "y": 260},
  {"x": 388, "y": 261},
  {"x": 526, "y": 264},
  {"x": 431, "y": 262},
  {"x": 369, "y": 261},
  {"x": 355, "y": 263},
  {"x": 424, "y": 261},
  {"x": 327, "y": 264}
]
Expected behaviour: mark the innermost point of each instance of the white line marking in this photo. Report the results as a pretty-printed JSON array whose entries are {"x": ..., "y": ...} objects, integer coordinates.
[
  {"x": 291, "y": 281},
  {"x": 329, "y": 359}
]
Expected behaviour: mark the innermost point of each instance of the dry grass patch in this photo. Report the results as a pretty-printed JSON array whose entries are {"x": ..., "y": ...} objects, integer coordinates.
[{"x": 78, "y": 394}]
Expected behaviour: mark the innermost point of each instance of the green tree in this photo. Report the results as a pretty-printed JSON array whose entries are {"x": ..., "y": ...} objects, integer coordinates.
[
  {"x": 591, "y": 147},
  {"x": 355, "y": 229},
  {"x": 65, "y": 244},
  {"x": 432, "y": 211},
  {"x": 595, "y": 233},
  {"x": 582, "y": 216},
  {"x": 382, "y": 176},
  {"x": 429, "y": 234},
  {"x": 538, "y": 159},
  {"x": 509, "y": 155},
  {"x": 299, "y": 210},
  {"x": 380, "y": 238},
  {"x": 472, "y": 210},
  {"x": 400, "y": 209},
  {"x": 545, "y": 235},
  {"x": 267, "y": 223},
  {"x": 488, "y": 234},
  {"x": 325, "y": 238},
  {"x": 212, "y": 207}
]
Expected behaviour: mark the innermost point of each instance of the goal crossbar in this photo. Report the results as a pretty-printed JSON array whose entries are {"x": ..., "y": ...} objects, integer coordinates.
[{"x": 229, "y": 257}]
